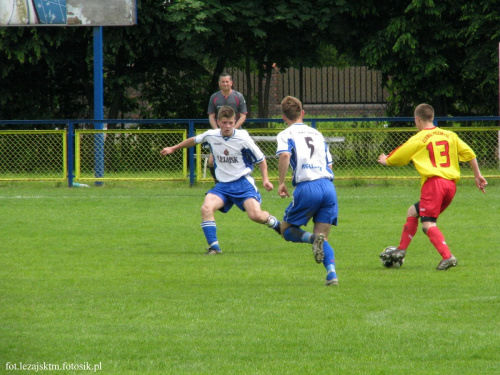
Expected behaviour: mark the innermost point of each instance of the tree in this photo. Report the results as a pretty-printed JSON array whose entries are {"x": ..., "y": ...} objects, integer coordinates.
[
  {"x": 427, "y": 53},
  {"x": 445, "y": 53},
  {"x": 44, "y": 73},
  {"x": 161, "y": 59},
  {"x": 480, "y": 67},
  {"x": 283, "y": 34}
]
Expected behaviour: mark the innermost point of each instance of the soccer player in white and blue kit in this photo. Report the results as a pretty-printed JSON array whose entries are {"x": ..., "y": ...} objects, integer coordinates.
[
  {"x": 306, "y": 151},
  {"x": 235, "y": 154}
]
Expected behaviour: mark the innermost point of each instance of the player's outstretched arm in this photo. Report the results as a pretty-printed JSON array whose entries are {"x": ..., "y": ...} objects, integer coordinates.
[
  {"x": 478, "y": 177},
  {"x": 184, "y": 144}
]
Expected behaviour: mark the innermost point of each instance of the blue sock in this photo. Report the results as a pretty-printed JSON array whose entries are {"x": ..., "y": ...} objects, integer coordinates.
[
  {"x": 210, "y": 231},
  {"x": 295, "y": 234},
  {"x": 329, "y": 261},
  {"x": 330, "y": 272}
]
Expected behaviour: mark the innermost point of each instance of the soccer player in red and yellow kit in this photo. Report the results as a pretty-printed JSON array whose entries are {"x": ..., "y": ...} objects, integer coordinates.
[{"x": 436, "y": 154}]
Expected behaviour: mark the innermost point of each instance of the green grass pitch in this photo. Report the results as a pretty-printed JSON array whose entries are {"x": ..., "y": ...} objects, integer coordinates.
[{"x": 116, "y": 277}]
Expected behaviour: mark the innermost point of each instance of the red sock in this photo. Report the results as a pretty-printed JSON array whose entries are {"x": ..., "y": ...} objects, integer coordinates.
[
  {"x": 409, "y": 230},
  {"x": 438, "y": 241}
]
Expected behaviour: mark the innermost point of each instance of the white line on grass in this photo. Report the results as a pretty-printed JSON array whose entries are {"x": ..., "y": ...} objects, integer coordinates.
[
  {"x": 95, "y": 197},
  {"x": 168, "y": 196}
]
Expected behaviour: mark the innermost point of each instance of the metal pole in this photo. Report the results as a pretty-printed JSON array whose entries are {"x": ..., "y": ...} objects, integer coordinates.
[
  {"x": 98, "y": 104},
  {"x": 71, "y": 153},
  {"x": 191, "y": 154}
]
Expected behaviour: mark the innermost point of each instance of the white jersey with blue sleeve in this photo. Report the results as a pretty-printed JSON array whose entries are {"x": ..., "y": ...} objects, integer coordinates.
[
  {"x": 234, "y": 156},
  {"x": 310, "y": 156}
]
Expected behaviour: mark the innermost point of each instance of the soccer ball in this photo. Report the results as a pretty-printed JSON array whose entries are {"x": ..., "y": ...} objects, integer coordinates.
[{"x": 391, "y": 263}]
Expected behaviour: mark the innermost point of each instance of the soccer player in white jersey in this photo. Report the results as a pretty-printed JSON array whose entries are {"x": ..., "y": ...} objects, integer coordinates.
[
  {"x": 314, "y": 197},
  {"x": 235, "y": 154}
]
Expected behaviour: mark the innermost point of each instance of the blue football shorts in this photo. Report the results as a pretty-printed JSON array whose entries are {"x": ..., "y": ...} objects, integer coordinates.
[
  {"x": 316, "y": 200},
  {"x": 236, "y": 192}
]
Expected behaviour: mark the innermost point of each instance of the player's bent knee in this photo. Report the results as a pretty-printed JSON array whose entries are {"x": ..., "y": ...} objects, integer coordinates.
[
  {"x": 258, "y": 217},
  {"x": 412, "y": 211},
  {"x": 206, "y": 210},
  {"x": 427, "y": 223}
]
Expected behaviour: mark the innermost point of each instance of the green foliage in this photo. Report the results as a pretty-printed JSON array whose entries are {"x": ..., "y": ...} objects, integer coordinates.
[
  {"x": 40, "y": 79},
  {"x": 167, "y": 65},
  {"x": 436, "y": 52}
]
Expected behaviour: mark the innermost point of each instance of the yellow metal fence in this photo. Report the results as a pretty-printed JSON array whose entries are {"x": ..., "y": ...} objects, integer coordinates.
[
  {"x": 41, "y": 155},
  {"x": 355, "y": 152},
  {"x": 129, "y": 155},
  {"x": 27, "y": 155}
]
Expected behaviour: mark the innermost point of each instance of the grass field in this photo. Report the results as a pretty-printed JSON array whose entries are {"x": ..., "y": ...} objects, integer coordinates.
[{"x": 114, "y": 277}]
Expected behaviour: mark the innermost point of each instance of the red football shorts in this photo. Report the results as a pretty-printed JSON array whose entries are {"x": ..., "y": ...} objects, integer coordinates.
[{"x": 436, "y": 195}]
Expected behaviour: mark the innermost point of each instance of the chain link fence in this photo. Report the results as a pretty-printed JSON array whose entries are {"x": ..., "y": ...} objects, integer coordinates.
[
  {"x": 357, "y": 157},
  {"x": 128, "y": 155},
  {"x": 134, "y": 154},
  {"x": 355, "y": 152},
  {"x": 33, "y": 155}
]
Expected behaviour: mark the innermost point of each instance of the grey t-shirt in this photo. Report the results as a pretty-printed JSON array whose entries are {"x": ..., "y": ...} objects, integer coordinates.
[{"x": 234, "y": 100}]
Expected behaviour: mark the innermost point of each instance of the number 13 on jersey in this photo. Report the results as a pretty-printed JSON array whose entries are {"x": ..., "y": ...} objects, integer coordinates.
[{"x": 441, "y": 148}]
